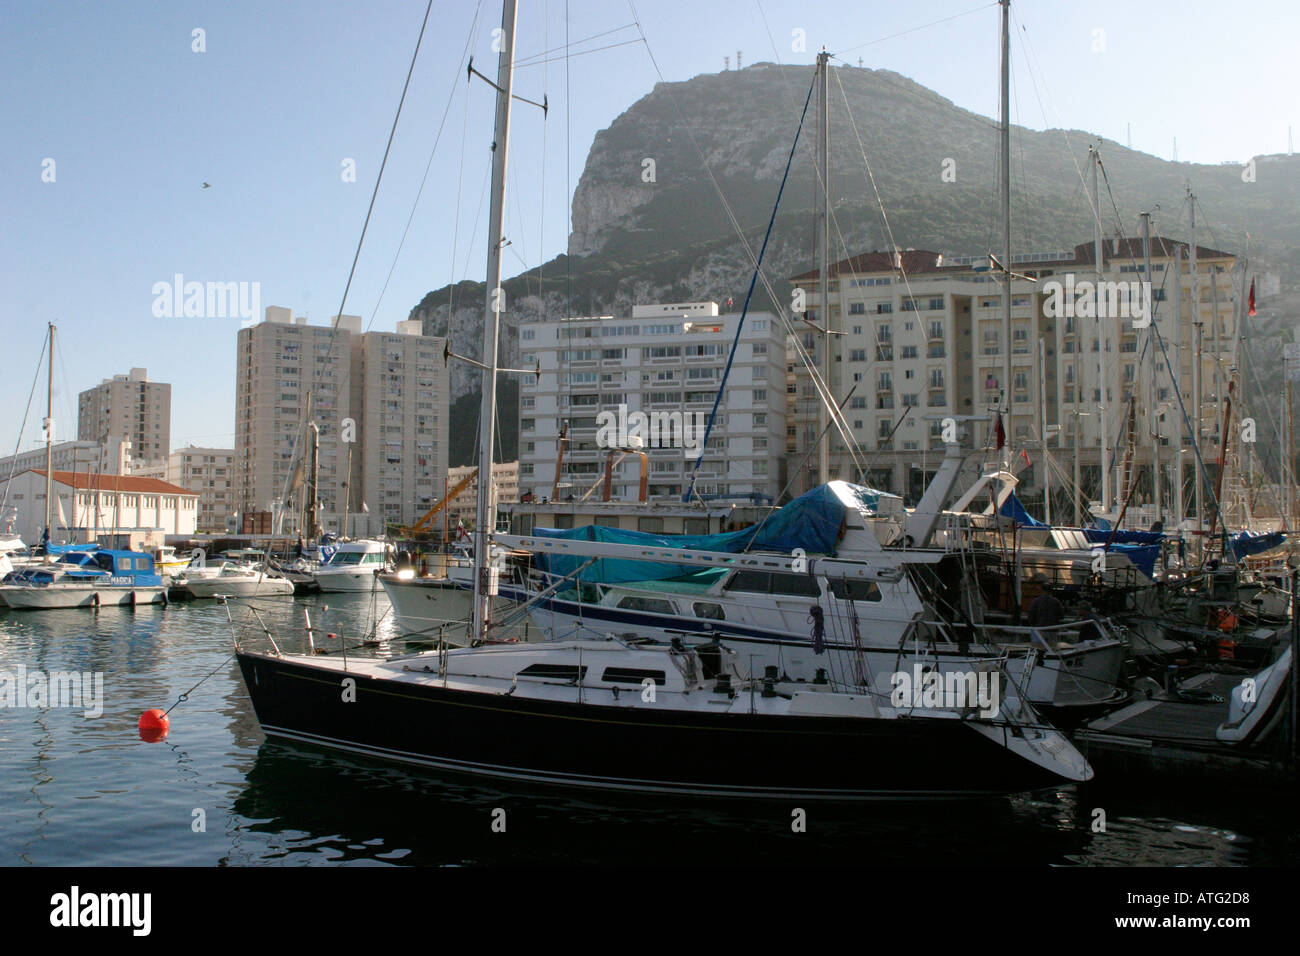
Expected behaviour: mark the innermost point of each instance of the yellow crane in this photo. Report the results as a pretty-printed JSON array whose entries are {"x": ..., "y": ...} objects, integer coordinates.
[{"x": 421, "y": 524}]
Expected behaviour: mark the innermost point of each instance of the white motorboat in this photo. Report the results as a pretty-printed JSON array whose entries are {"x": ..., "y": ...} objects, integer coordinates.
[
  {"x": 234, "y": 579},
  {"x": 354, "y": 566}
]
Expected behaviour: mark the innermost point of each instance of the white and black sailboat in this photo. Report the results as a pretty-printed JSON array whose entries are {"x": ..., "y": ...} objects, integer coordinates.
[{"x": 649, "y": 716}]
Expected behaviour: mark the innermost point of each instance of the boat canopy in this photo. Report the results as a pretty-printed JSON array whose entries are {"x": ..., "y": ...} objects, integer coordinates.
[
  {"x": 1246, "y": 543},
  {"x": 1012, "y": 508},
  {"x": 813, "y": 522}
]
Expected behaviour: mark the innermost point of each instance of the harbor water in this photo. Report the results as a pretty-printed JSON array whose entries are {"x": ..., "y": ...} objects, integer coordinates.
[{"x": 86, "y": 790}]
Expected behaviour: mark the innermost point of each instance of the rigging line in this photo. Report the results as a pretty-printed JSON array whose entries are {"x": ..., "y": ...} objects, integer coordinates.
[
  {"x": 578, "y": 53},
  {"x": 375, "y": 192},
  {"x": 923, "y": 26},
  {"x": 549, "y": 50},
  {"x": 13, "y": 464},
  {"x": 717, "y": 398},
  {"x": 778, "y": 308},
  {"x": 451, "y": 96}
]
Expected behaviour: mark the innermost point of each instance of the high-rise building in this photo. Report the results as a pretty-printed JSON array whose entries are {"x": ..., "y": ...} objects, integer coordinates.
[
  {"x": 128, "y": 407},
  {"x": 380, "y": 403},
  {"x": 404, "y": 426},
  {"x": 281, "y": 361},
  {"x": 654, "y": 377}
]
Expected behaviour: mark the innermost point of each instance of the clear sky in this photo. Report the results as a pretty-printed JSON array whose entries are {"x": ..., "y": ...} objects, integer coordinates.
[{"x": 286, "y": 92}]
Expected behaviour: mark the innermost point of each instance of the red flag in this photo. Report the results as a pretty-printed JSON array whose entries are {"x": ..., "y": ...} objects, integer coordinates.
[
  {"x": 1251, "y": 301},
  {"x": 1001, "y": 435},
  {"x": 1025, "y": 455}
]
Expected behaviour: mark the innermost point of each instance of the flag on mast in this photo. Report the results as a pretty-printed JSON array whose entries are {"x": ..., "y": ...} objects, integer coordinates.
[
  {"x": 1001, "y": 435},
  {"x": 1251, "y": 300},
  {"x": 1025, "y": 455}
]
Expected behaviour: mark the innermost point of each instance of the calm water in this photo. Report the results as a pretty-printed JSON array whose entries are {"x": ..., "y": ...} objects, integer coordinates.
[{"x": 87, "y": 791}]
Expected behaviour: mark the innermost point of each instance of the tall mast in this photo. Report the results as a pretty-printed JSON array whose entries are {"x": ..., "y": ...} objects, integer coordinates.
[
  {"x": 1176, "y": 370},
  {"x": 1098, "y": 252},
  {"x": 823, "y": 258},
  {"x": 1042, "y": 430},
  {"x": 49, "y": 443},
  {"x": 486, "y": 511},
  {"x": 1196, "y": 371},
  {"x": 1153, "y": 412},
  {"x": 1005, "y": 117}
]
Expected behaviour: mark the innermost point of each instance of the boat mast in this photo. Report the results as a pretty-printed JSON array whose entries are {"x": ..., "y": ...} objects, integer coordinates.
[
  {"x": 1098, "y": 252},
  {"x": 49, "y": 445},
  {"x": 823, "y": 258},
  {"x": 1042, "y": 430},
  {"x": 1005, "y": 89},
  {"x": 1153, "y": 412},
  {"x": 1176, "y": 371},
  {"x": 1196, "y": 374},
  {"x": 486, "y": 510}
]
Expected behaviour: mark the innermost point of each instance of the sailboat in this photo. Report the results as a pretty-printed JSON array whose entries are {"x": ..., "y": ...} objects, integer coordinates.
[{"x": 655, "y": 717}]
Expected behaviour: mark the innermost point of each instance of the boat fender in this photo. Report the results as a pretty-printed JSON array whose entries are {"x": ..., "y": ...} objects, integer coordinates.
[{"x": 818, "y": 618}]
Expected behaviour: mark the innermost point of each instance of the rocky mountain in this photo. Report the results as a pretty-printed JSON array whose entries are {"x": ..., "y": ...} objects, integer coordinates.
[{"x": 648, "y": 223}]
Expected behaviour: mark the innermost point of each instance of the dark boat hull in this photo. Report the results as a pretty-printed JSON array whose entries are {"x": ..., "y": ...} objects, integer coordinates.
[{"x": 634, "y": 748}]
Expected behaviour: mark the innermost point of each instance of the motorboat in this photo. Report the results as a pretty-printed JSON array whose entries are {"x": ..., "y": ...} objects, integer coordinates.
[
  {"x": 354, "y": 566},
  {"x": 234, "y": 579},
  {"x": 87, "y": 578}
]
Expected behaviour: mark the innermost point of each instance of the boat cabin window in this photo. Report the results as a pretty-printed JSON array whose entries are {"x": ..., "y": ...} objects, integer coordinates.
[
  {"x": 848, "y": 589},
  {"x": 709, "y": 611},
  {"x": 105, "y": 561},
  {"x": 763, "y": 582},
  {"x": 631, "y": 675},
  {"x": 635, "y": 602},
  {"x": 556, "y": 671},
  {"x": 124, "y": 564},
  {"x": 142, "y": 564}
]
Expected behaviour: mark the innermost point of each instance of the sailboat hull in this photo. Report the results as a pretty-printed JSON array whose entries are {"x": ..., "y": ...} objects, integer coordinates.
[{"x": 643, "y": 749}]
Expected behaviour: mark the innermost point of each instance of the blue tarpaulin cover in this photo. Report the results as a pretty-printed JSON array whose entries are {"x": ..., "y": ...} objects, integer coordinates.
[
  {"x": 811, "y": 522},
  {"x": 1246, "y": 543},
  {"x": 1101, "y": 536},
  {"x": 1012, "y": 508}
]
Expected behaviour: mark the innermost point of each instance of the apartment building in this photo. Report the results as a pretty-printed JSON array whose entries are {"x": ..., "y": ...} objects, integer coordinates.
[
  {"x": 280, "y": 362},
  {"x": 128, "y": 407},
  {"x": 664, "y": 362},
  {"x": 207, "y": 472},
  {"x": 380, "y": 401},
  {"x": 922, "y": 340},
  {"x": 404, "y": 425}
]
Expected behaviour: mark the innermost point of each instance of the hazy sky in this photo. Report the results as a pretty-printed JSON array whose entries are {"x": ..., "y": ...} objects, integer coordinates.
[{"x": 286, "y": 92}]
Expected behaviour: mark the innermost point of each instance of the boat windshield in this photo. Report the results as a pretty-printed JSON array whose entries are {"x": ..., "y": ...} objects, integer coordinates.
[{"x": 353, "y": 558}]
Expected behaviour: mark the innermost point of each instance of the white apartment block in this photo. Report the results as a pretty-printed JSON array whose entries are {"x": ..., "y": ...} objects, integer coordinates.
[
  {"x": 924, "y": 342},
  {"x": 128, "y": 407},
  {"x": 89, "y": 507},
  {"x": 380, "y": 401},
  {"x": 403, "y": 428},
  {"x": 663, "y": 360},
  {"x": 463, "y": 509},
  {"x": 208, "y": 473}
]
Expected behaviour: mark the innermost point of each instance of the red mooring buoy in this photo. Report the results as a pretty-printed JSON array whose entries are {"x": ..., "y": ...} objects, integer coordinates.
[{"x": 154, "y": 725}]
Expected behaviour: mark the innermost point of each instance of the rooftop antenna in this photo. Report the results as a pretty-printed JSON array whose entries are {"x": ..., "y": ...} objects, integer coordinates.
[
  {"x": 1290, "y": 143},
  {"x": 738, "y": 59},
  {"x": 1130, "y": 135},
  {"x": 726, "y": 63},
  {"x": 1175, "y": 149}
]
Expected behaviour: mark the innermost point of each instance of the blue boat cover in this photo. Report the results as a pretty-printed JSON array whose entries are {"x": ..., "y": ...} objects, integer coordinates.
[
  {"x": 1012, "y": 508},
  {"x": 811, "y": 522},
  {"x": 1246, "y": 543}
]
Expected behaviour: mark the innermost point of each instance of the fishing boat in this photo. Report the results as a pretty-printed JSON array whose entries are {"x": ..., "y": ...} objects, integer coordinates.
[
  {"x": 353, "y": 566},
  {"x": 85, "y": 579}
]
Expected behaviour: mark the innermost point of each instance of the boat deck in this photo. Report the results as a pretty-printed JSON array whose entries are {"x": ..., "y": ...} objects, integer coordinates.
[{"x": 1178, "y": 736}]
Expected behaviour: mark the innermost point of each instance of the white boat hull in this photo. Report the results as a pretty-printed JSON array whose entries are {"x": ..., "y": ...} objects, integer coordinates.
[
  {"x": 66, "y": 596},
  {"x": 430, "y": 606},
  {"x": 362, "y": 579},
  {"x": 239, "y": 587}
]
